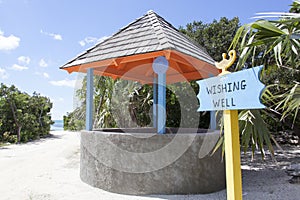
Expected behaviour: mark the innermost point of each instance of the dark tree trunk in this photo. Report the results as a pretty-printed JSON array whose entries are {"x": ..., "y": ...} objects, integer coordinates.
[
  {"x": 19, "y": 134},
  {"x": 19, "y": 127}
]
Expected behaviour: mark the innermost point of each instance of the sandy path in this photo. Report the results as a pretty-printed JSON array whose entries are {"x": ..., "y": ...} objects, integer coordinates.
[{"x": 49, "y": 169}]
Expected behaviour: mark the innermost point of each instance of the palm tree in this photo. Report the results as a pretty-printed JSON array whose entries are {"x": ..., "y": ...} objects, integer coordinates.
[{"x": 272, "y": 43}]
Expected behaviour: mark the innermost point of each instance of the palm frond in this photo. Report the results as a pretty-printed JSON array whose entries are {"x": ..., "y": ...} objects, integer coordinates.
[
  {"x": 264, "y": 15},
  {"x": 290, "y": 102},
  {"x": 254, "y": 132}
]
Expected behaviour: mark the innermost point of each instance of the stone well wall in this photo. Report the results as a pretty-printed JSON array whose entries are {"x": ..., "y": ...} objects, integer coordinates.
[{"x": 146, "y": 163}]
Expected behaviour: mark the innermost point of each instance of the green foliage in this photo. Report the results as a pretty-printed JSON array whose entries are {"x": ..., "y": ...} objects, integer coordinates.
[
  {"x": 286, "y": 101},
  {"x": 73, "y": 122},
  {"x": 103, "y": 94},
  {"x": 275, "y": 44},
  {"x": 23, "y": 117},
  {"x": 290, "y": 102},
  {"x": 215, "y": 37},
  {"x": 122, "y": 103},
  {"x": 295, "y": 7},
  {"x": 6, "y": 137},
  {"x": 140, "y": 104},
  {"x": 254, "y": 131}
]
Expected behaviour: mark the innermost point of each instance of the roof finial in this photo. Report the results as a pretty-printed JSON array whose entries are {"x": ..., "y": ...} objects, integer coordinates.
[
  {"x": 226, "y": 63},
  {"x": 150, "y": 11}
]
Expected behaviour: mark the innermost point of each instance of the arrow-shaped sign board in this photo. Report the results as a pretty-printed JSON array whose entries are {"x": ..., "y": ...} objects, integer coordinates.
[{"x": 234, "y": 91}]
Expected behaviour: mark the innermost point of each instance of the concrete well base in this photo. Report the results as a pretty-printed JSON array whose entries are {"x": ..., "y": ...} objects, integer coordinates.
[{"x": 140, "y": 162}]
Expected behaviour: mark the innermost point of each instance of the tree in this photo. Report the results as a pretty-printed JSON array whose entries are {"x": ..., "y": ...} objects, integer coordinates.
[
  {"x": 275, "y": 43},
  {"x": 24, "y": 116},
  {"x": 13, "y": 99},
  {"x": 215, "y": 37},
  {"x": 103, "y": 91}
]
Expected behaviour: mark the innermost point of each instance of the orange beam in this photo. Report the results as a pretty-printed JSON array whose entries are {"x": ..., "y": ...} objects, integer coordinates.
[
  {"x": 180, "y": 59},
  {"x": 188, "y": 66},
  {"x": 139, "y": 57},
  {"x": 175, "y": 65}
]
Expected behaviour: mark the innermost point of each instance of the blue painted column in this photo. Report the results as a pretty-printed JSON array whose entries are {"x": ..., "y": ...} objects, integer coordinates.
[
  {"x": 213, "y": 120},
  {"x": 89, "y": 99},
  {"x": 160, "y": 67},
  {"x": 154, "y": 118},
  {"x": 161, "y": 101}
]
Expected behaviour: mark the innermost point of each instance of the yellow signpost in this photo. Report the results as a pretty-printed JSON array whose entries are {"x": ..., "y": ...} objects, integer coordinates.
[
  {"x": 232, "y": 155},
  {"x": 232, "y": 140},
  {"x": 231, "y": 92}
]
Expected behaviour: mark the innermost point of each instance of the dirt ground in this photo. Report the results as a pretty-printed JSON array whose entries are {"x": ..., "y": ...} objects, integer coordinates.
[{"x": 48, "y": 169}]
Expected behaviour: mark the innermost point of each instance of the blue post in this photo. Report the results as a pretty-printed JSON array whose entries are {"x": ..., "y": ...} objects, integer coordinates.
[
  {"x": 160, "y": 67},
  {"x": 89, "y": 99},
  {"x": 213, "y": 120},
  {"x": 161, "y": 112},
  {"x": 154, "y": 102}
]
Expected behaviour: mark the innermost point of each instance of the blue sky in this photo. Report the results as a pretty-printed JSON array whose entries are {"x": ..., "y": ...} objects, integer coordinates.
[{"x": 39, "y": 36}]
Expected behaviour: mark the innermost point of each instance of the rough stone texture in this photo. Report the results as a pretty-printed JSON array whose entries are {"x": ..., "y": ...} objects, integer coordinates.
[
  {"x": 294, "y": 171},
  {"x": 144, "y": 163}
]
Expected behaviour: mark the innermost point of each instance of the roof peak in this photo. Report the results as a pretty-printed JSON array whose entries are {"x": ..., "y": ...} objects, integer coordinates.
[
  {"x": 148, "y": 33},
  {"x": 150, "y": 11}
]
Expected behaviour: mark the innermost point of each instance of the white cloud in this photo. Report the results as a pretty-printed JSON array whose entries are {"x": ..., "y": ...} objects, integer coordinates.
[
  {"x": 82, "y": 43},
  {"x": 8, "y": 43},
  {"x": 56, "y": 36},
  {"x": 17, "y": 67},
  {"x": 91, "y": 40},
  {"x": 24, "y": 60},
  {"x": 65, "y": 83},
  {"x": 3, "y": 74},
  {"x": 53, "y": 35},
  {"x": 46, "y": 75},
  {"x": 43, "y": 63}
]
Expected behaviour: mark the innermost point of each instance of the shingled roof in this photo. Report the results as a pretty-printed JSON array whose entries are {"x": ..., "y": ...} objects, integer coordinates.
[{"x": 137, "y": 44}]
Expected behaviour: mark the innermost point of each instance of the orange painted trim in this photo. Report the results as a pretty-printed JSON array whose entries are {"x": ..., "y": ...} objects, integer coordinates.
[
  {"x": 182, "y": 64},
  {"x": 114, "y": 61}
]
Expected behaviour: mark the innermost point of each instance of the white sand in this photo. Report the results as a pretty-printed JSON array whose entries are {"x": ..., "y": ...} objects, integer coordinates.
[{"x": 49, "y": 169}]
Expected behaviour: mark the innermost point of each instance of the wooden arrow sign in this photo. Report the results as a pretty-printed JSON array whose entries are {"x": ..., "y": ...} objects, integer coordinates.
[{"x": 235, "y": 91}]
